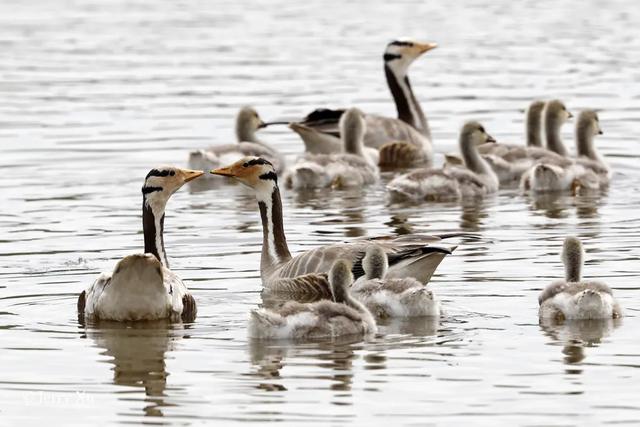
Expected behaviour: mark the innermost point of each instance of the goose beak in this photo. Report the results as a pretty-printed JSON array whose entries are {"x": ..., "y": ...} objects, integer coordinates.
[
  {"x": 261, "y": 124},
  {"x": 424, "y": 47},
  {"x": 226, "y": 171},
  {"x": 490, "y": 139},
  {"x": 600, "y": 131},
  {"x": 190, "y": 175},
  {"x": 569, "y": 115},
  {"x": 265, "y": 124}
]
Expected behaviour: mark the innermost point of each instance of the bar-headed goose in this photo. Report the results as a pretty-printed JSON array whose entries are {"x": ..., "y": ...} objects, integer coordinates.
[
  {"x": 474, "y": 178},
  {"x": 341, "y": 316},
  {"x": 409, "y": 256},
  {"x": 141, "y": 286},
  {"x": 248, "y": 122},
  {"x": 355, "y": 166},
  {"x": 574, "y": 298},
  {"x": 551, "y": 174},
  {"x": 411, "y": 126},
  {"x": 587, "y": 127},
  {"x": 391, "y": 297}
]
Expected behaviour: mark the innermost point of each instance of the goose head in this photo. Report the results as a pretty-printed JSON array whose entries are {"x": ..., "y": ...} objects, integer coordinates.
[
  {"x": 352, "y": 129},
  {"x": 254, "y": 172},
  {"x": 472, "y": 135},
  {"x": 572, "y": 254},
  {"x": 588, "y": 123},
  {"x": 248, "y": 122},
  {"x": 556, "y": 112},
  {"x": 340, "y": 278},
  {"x": 161, "y": 182},
  {"x": 375, "y": 262},
  {"x": 400, "y": 54}
]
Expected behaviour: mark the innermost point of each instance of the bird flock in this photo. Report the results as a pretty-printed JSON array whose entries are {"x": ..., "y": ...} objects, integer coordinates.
[{"x": 342, "y": 289}]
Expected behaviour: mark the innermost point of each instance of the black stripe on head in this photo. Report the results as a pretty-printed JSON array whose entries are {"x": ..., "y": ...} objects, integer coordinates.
[
  {"x": 147, "y": 190},
  {"x": 258, "y": 161},
  {"x": 400, "y": 43},
  {"x": 390, "y": 57},
  {"x": 162, "y": 173},
  {"x": 269, "y": 175}
]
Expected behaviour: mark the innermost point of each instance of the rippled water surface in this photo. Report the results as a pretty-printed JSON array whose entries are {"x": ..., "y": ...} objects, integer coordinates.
[{"x": 96, "y": 93}]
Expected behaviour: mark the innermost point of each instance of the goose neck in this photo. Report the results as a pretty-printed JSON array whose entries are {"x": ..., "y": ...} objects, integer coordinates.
[
  {"x": 554, "y": 141},
  {"x": 408, "y": 107},
  {"x": 153, "y": 230},
  {"x": 274, "y": 243}
]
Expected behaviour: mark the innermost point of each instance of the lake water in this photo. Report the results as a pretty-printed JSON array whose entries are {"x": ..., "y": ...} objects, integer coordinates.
[{"x": 96, "y": 93}]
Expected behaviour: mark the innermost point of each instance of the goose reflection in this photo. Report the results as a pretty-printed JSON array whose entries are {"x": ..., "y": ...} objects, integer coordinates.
[
  {"x": 268, "y": 358},
  {"x": 557, "y": 205},
  {"x": 576, "y": 335},
  {"x": 137, "y": 352},
  {"x": 473, "y": 214}
]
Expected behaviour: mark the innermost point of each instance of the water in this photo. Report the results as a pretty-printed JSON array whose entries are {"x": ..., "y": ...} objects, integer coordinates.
[{"x": 96, "y": 93}]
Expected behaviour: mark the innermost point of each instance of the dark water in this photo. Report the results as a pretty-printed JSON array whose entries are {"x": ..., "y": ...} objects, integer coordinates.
[{"x": 96, "y": 93}]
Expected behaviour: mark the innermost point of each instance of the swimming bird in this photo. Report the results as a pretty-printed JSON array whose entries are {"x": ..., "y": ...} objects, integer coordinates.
[
  {"x": 411, "y": 126},
  {"x": 474, "y": 178},
  {"x": 574, "y": 298},
  {"x": 141, "y": 286},
  {"x": 341, "y": 316},
  {"x": 557, "y": 173},
  {"x": 356, "y": 165},
  {"x": 386, "y": 297},
  {"x": 409, "y": 255},
  {"x": 248, "y": 122},
  {"x": 587, "y": 127}
]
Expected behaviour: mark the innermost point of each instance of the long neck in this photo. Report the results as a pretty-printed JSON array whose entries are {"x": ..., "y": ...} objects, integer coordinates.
[
  {"x": 534, "y": 128},
  {"x": 245, "y": 133},
  {"x": 153, "y": 229},
  {"x": 274, "y": 243},
  {"x": 353, "y": 142},
  {"x": 584, "y": 143},
  {"x": 572, "y": 269},
  {"x": 409, "y": 110},
  {"x": 552, "y": 127},
  {"x": 348, "y": 300},
  {"x": 471, "y": 157}
]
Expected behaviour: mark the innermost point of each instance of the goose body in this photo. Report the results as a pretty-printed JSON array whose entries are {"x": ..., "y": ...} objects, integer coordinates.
[
  {"x": 472, "y": 179},
  {"x": 248, "y": 122},
  {"x": 558, "y": 172},
  {"x": 388, "y": 297},
  {"x": 410, "y": 126},
  {"x": 355, "y": 166},
  {"x": 574, "y": 298},
  {"x": 141, "y": 286},
  {"x": 341, "y": 316},
  {"x": 409, "y": 256}
]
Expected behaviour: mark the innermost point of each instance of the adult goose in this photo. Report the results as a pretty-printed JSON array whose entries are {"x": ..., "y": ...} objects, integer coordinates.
[
  {"x": 141, "y": 286},
  {"x": 248, "y": 122},
  {"x": 356, "y": 165},
  {"x": 574, "y": 298},
  {"x": 410, "y": 126},
  {"x": 340, "y": 316},
  {"x": 386, "y": 297},
  {"x": 408, "y": 256},
  {"x": 473, "y": 178}
]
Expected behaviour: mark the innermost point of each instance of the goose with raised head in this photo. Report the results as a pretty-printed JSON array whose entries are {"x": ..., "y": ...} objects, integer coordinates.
[
  {"x": 474, "y": 178},
  {"x": 141, "y": 286},
  {"x": 415, "y": 256},
  {"x": 385, "y": 297},
  {"x": 340, "y": 316},
  {"x": 248, "y": 122},
  {"x": 354, "y": 166},
  {"x": 411, "y": 126},
  {"x": 573, "y": 297},
  {"x": 559, "y": 172},
  {"x": 587, "y": 127}
]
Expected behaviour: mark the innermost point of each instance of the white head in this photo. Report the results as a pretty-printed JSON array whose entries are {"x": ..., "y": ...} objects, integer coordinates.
[
  {"x": 248, "y": 122},
  {"x": 161, "y": 182},
  {"x": 254, "y": 172},
  {"x": 401, "y": 53},
  {"x": 375, "y": 262}
]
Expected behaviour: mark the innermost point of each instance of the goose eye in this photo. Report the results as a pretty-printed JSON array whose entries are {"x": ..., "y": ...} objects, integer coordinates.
[
  {"x": 172, "y": 173},
  {"x": 245, "y": 164},
  {"x": 481, "y": 129}
]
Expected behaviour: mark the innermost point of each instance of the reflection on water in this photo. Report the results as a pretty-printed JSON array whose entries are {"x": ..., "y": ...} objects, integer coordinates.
[{"x": 577, "y": 335}]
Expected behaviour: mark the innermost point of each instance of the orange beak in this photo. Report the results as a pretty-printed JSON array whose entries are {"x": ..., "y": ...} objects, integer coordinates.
[
  {"x": 425, "y": 47},
  {"x": 226, "y": 171},
  {"x": 190, "y": 175}
]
